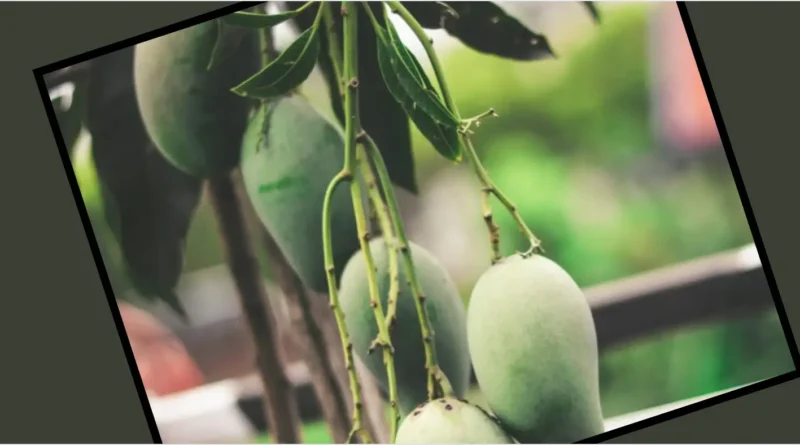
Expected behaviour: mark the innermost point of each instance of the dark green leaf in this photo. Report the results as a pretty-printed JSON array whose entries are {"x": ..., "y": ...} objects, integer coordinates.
[
  {"x": 70, "y": 120},
  {"x": 484, "y": 27},
  {"x": 413, "y": 64},
  {"x": 593, "y": 11},
  {"x": 256, "y": 20},
  {"x": 429, "y": 14},
  {"x": 290, "y": 69},
  {"x": 149, "y": 204},
  {"x": 381, "y": 115},
  {"x": 410, "y": 79},
  {"x": 443, "y": 138}
]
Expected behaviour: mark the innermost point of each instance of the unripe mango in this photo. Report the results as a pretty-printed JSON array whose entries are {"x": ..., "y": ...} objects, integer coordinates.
[
  {"x": 448, "y": 420},
  {"x": 191, "y": 115},
  {"x": 445, "y": 309},
  {"x": 534, "y": 351},
  {"x": 290, "y": 153}
]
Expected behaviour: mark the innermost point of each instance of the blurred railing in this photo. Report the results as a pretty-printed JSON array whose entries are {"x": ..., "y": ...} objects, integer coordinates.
[
  {"x": 214, "y": 414},
  {"x": 707, "y": 290}
]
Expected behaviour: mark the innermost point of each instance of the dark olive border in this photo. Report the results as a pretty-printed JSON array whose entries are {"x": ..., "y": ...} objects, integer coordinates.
[
  {"x": 41, "y": 71},
  {"x": 39, "y": 74}
]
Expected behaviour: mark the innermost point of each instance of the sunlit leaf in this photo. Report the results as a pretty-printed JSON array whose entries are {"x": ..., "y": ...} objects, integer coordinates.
[
  {"x": 410, "y": 79},
  {"x": 443, "y": 138},
  {"x": 381, "y": 115}
]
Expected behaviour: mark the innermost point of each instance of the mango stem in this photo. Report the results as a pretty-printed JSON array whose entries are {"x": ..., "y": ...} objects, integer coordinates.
[
  {"x": 488, "y": 186},
  {"x": 352, "y": 129},
  {"x": 385, "y": 224},
  {"x": 436, "y": 377},
  {"x": 347, "y": 346}
]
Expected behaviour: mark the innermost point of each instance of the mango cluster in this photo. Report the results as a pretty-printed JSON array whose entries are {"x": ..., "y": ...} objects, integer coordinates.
[{"x": 528, "y": 332}]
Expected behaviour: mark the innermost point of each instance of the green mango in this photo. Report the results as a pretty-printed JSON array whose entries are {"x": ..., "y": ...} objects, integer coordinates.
[
  {"x": 289, "y": 156},
  {"x": 450, "y": 420},
  {"x": 534, "y": 351},
  {"x": 191, "y": 115},
  {"x": 446, "y": 312}
]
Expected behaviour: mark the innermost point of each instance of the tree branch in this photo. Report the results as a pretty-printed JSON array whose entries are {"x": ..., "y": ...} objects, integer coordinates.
[
  {"x": 315, "y": 352},
  {"x": 281, "y": 405}
]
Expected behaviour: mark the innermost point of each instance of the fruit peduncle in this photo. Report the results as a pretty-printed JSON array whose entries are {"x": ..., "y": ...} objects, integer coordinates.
[
  {"x": 434, "y": 373},
  {"x": 347, "y": 347},
  {"x": 385, "y": 223},
  {"x": 352, "y": 132},
  {"x": 489, "y": 188}
]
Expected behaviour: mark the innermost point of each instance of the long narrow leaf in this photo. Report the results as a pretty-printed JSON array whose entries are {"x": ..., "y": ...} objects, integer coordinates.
[
  {"x": 290, "y": 69},
  {"x": 408, "y": 77},
  {"x": 444, "y": 139},
  {"x": 406, "y": 54},
  {"x": 381, "y": 115}
]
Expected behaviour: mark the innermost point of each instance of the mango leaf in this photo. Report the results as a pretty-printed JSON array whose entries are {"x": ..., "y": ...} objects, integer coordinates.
[
  {"x": 443, "y": 138},
  {"x": 592, "y": 11},
  {"x": 148, "y": 203},
  {"x": 405, "y": 54},
  {"x": 484, "y": 27},
  {"x": 256, "y": 20},
  {"x": 430, "y": 15},
  {"x": 410, "y": 79},
  {"x": 290, "y": 69},
  {"x": 381, "y": 115}
]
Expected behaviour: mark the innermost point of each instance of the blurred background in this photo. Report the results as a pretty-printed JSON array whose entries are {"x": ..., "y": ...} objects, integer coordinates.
[{"x": 612, "y": 156}]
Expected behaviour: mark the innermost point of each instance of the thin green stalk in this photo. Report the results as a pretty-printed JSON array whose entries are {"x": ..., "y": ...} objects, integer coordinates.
[
  {"x": 333, "y": 44},
  {"x": 494, "y": 231},
  {"x": 488, "y": 186},
  {"x": 383, "y": 341},
  {"x": 352, "y": 129},
  {"x": 264, "y": 39},
  {"x": 345, "y": 175},
  {"x": 398, "y": 7},
  {"x": 347, "y": 346},
  {"x": 370, "y": 14},
  {"x": 385, "y": 223},
  {"x": 438, "y": 384},
  {"x": 332, "y": 400},
  {"x": 303, "y": 7}
]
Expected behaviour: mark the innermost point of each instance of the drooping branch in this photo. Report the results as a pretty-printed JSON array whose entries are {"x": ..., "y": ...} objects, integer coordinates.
[
  {"x": 281, "y": 405},
  {"x": 315, "y": 352}
]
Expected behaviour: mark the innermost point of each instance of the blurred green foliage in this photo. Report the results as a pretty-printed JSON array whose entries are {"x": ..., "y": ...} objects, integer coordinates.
[{"x": 574, "y": 148}]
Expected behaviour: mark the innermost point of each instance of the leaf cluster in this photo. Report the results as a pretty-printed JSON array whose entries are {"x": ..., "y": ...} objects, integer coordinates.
[
  {"x": 395, "y": 90},
  {"x": 150, "y": 204}
]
